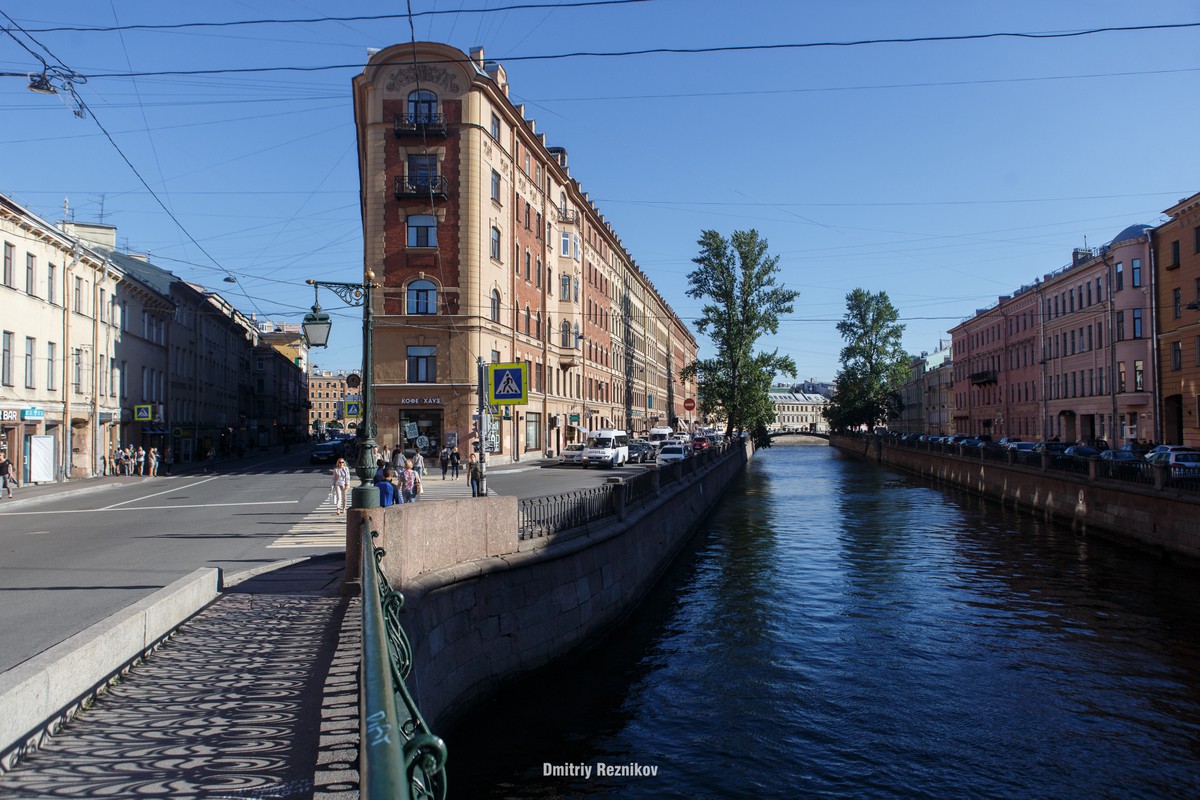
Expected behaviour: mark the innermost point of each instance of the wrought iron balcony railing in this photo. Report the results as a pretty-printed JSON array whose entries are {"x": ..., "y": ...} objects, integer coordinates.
[
  {"x": 420, "y": 125},
  {"x": 987, "y": 376},
  {"x": 568, "y": 217},
  {"x": 422, "y": 186}
]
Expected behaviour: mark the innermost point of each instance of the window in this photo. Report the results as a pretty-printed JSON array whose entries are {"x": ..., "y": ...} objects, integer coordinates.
[
  {"x": 565, "y": 340},
  {"x": 528, "y": 265},
  {"x": 51, "y": 282},
  {"x": 1174, "y": 254},
  {"x": 30, "y": 272},
  {"x": 1196, "y": 249},
  {"x": 533, "y": 431},
  {"x": 422, "y": 230},
  {"x": 495, "y": 244},
  {"x": 1176, "y": 356},
  {"x": 6, "y": 359},
  {"x": 30, "y": 361},
  {"x": 422, "y": 106},
  {"x": 1120, "y": 326},
  {"x": 566, "y": 243},
  {"x": 51, "y": 358},
  {"x": 495, "y": 127},
  {"x": 496, "y": 186},
  {"x": 1135, "y": 272},
  {"x": 1137, "y": 323},
  {"x": 422, "y": 171},
  {"x": 538, "y": 272},
  {"x": 1120, "y": 277},
  {"x": 578, "y": 338},
  {"x": 565, "y": 293},
  {"x": 1139, "y": 372},
  {"x": 422, "y": 297},
  {"x": 577, "y": 290},
  {"x": 77, "y": 371},
  {"x": 537, "y": 325},
  {"x": 8, "y": 264},
  {"x": 495, "y": 315},
  {"x": 528, "y": 320},
  {"x": 528, "y": 216},
  {"x": 1177, "y": 302},
  {"x": 422, "y": 364}
]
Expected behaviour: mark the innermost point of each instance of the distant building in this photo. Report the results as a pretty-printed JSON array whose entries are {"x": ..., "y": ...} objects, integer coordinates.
[
  {"x": 327, "y": 394},
  {"x": 795, "y": 411}
]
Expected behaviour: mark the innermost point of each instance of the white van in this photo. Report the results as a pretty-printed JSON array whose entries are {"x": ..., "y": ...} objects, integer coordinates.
[{"x": 607, "y": 447}]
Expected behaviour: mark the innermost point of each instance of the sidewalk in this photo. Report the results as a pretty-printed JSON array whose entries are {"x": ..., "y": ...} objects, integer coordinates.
[{"x": 255, "y": 696}]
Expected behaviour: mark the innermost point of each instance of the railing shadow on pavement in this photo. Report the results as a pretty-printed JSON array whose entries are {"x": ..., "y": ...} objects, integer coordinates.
[{"x": 399, "y": 758}]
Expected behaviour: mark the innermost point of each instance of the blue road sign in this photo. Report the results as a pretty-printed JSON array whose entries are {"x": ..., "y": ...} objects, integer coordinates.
[{"x": 508, "y": 384}]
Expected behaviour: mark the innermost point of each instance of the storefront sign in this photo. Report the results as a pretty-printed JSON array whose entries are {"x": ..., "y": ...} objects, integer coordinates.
[
  {"x": 420, "y": 401},
  {"x": 9, "y": 415},
  {"x": 33, "y": 412},
  {"x": 573, "y": 419}
]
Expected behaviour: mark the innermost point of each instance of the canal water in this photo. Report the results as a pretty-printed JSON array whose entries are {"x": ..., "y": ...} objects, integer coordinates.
[{"x": 838, "y": 629}]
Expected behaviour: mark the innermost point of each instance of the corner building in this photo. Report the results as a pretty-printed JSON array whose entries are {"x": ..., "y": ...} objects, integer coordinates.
[{"x": 487, "y": 249}]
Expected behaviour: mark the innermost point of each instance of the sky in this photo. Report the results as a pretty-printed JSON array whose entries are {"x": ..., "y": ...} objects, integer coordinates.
[{"x": 945, "y": 171}]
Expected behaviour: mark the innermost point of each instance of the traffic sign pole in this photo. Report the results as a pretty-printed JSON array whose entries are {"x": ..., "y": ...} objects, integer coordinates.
[{"x": 479, "y": 430}]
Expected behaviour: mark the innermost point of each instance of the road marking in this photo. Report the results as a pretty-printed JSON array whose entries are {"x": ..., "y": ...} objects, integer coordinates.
[
  {"x": 151, "y": 508},
  {"x": 157, "y": 494},
  {"x": 321, "y": 527}
]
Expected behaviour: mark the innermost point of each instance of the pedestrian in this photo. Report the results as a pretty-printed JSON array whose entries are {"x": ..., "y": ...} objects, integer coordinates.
[
  {"x": 387, "y": 489},
  {"x": 212, "y": 458},
  {"x": 474, "y": 474},
  {"x": 397, "y": 460},
  {"x": 454, "y": 460},
  {"x": 445, "y": 459},
  {"x": 152, "y": 462},
  {"x": 140, "y": 460},
  {"x": 410, "y": 483},
  {"x": 127, "y": 460},
  {"x": 380, "y": 465},
  {"x": 8, "y": 478},
  {"x": 341, "y": 482},
  {"x": 419, "y": 464},
  {"x": 168, "y": 455}
]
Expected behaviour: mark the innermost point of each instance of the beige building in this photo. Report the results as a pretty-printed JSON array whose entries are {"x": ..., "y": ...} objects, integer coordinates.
[
  {"x": 488, "y": 250},
  {"x": 798, "y": 411}
]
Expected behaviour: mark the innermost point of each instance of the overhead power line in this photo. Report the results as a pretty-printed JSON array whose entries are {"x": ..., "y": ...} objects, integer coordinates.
[
  {"x": 311, "y": 20},
  {"x": 669, "y": 51}
]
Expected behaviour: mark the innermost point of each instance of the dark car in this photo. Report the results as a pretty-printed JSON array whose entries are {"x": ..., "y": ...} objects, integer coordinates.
[
  {"x": 641, "y": 453},
  {"x": 1081, "y": 451},
  {"x": 326, "y": 452}
]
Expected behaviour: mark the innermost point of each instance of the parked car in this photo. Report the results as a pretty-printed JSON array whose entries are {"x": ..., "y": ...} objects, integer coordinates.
[
  {"x": 1081, "y": 451},
  {"x": 1007, "y": 440},
  {"x": 572, "y": 454},
  {"x": 1125, "y": 463},
  {"x": 1183, "y": 463},
  {"x": 1019, "y": 446},
  {"x": 326, "y": 452},
  {"x": 700, "y": 443},
  {"x": 671, "y": 452},
  {"x": 1170, "y": 448}
]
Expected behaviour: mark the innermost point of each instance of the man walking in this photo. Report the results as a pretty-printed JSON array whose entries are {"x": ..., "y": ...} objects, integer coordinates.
[{"x": 7, "y": 478}]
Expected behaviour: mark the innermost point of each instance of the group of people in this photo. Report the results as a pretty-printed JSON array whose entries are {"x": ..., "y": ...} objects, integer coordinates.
[
  {"x": 131, "y": 460},
  {"x": 399, "y": 479}
]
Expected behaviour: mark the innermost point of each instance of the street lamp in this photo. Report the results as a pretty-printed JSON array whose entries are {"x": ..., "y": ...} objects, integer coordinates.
[{"x": 316, "y": 328}]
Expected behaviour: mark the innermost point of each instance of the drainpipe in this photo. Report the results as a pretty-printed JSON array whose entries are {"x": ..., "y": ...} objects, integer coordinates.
[
  {"x": 1112, "y": 350},
  {"x": 1042, "y": 360},
  {"x": 104, "y": 276},
  {"x": 1156, "y": 391},
  {"x": 68, "y": 359}
]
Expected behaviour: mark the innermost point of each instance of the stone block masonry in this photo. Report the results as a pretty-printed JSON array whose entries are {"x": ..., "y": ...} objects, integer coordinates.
[{"x": 482, "y": 607}]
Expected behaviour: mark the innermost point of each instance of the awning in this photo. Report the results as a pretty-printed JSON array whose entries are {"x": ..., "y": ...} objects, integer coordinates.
[
  {"x": 579, "y": 428},
  {"x": 150, "y": 430}
]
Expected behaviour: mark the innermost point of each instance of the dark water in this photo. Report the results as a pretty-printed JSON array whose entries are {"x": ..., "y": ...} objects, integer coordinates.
[{"x": 841, "y": 630}]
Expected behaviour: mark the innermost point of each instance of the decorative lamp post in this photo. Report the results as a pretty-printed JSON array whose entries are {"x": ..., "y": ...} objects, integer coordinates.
[{"x": 316, "y": 328}]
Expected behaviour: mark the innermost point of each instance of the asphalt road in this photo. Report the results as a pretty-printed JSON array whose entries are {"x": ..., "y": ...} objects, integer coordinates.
[{"x": 69, "y": 561}]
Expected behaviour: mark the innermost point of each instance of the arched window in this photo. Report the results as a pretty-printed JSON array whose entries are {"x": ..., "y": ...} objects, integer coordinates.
[
  {"x": 537, "y": 325},
  {"x": 578, "y": 338},
  {"x": 566, "y": 334},
  {"x": 562, "y": 202},
  {"x": 495, "y": 243},
  {"x": 495, "y": 306},
  {"x": 422, "y": 106},
  {"x": 422, "y": 297},
  {"x": 528, "y": 319}
]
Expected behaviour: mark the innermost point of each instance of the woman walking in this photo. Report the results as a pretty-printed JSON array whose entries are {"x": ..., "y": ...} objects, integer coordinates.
[
  {"x": 341, "y": 482},
  {"x": 474, "y": 475},
  {"x": 410, "y": 483},
  {"x": 454, "y": 461},
  {"x": 152, "y": 462}
]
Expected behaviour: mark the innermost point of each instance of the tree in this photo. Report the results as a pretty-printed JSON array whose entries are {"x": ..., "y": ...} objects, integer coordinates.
[
  {"x": 874, "y": 365},
  {"x": 738, "y": 279}
]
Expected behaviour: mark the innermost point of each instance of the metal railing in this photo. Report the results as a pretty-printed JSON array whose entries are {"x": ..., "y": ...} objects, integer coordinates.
[
  {"x": 418, "y": 124},
  {"x": 543, "y": 516},
  {"x": 399, "y": 757},
  {"x": 421, "y": 186}
]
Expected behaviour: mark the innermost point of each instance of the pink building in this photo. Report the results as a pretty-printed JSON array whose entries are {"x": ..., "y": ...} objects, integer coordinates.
[{"x": 1068, "y": 356}]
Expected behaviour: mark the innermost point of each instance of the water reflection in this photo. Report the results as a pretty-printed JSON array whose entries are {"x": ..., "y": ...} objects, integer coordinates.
[{"x": 841, "y": 629}]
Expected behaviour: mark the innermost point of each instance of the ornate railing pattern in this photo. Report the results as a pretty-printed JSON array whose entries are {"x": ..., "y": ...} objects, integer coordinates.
[
  {"x": 543, "y": 516},
  {"x": 399, "y": 757}
]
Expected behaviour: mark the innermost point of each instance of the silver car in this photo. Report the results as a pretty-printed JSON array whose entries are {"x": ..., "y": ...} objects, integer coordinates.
[
  {"x": 572, "y": 454},
  {"x": 671, "y": 452}
]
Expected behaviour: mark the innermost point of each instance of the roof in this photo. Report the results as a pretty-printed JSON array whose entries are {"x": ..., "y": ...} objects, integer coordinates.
[{"x": 1132, "y": 232}]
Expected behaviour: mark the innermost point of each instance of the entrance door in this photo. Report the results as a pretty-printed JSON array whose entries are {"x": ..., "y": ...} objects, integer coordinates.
[{"x": 1173, "y": 419}]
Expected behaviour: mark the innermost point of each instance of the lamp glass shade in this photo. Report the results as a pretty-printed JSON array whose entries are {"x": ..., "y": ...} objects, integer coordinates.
[{"x": 316, "y": 327}]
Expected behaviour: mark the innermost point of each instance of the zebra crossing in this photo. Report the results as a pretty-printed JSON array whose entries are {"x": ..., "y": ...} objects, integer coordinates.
[{"x": 321, "y": 527}]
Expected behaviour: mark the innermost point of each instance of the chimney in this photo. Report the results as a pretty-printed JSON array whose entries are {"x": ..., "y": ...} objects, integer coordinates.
[{"x": 477, "y": 55}]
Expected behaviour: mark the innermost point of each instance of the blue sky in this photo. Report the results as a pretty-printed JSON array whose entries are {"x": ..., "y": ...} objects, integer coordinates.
[{"x": 944, "y": 173}]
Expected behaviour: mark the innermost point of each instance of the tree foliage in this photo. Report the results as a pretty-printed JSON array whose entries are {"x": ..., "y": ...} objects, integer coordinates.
[
  {"x": 738, "y": 279},
  {"x": 874, "y": 365}
]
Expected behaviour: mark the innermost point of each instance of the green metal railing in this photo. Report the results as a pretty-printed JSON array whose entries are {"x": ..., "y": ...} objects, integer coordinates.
[{"x": 399, "y": 757}]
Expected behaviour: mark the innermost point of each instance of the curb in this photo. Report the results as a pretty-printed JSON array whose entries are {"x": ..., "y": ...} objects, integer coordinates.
[{"x": 50, "y": 688}]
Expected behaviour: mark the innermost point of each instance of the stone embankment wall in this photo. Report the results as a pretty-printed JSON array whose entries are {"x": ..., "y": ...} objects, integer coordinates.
[
  {"x": 483, "y": 607},
  {"x": 1162, "y": 520}
]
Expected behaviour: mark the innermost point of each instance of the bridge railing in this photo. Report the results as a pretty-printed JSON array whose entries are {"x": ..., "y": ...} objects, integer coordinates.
[{"x": 399, "y": 758}]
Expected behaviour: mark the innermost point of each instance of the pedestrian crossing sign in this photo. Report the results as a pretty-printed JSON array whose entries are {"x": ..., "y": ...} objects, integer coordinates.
[
  {"x": 353, "y": 408},
  {"x": 508, "y": 384},
  {"x": 143, "y": 414}
]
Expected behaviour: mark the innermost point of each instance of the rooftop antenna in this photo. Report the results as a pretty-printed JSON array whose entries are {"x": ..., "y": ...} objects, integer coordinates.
[{"x": 103, "y": 197}]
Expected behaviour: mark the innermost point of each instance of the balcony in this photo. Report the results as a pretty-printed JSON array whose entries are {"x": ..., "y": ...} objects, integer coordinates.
[
  {"x": 421, "y": 186},
  {"x": 568, "y": 217},
  {"x": 420, "y": 125},
  {"x": 981, "y": 378}
]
